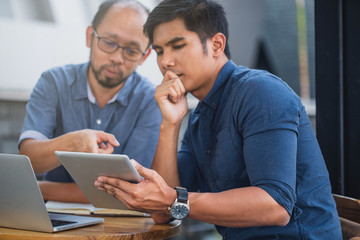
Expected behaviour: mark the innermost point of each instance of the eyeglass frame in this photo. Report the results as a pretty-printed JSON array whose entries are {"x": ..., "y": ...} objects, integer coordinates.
[{"x": 118, "y": 46}]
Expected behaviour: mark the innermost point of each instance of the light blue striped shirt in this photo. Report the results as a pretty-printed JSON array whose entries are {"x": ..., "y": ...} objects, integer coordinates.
[{"x": 62, "y": 102}]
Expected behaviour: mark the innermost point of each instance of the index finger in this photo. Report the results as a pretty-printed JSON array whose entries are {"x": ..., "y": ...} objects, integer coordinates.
[
  {"x": 107, "y": 137},
  {"x": 169, "y": 75},
  {"x": 107, "y": 149}
]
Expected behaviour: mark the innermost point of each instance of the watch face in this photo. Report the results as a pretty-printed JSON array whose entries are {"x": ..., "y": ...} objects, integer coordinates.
[{"x": 180, "y": 211}]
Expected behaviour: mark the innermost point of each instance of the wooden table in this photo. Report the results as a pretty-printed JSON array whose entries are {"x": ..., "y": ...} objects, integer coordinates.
[{"x": 113, "y": 228}]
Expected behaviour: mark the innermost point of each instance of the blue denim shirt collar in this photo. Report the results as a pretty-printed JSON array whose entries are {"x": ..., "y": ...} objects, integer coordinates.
[
  {"x": 121, "y": 97},
  {"x": 213, "y": 97}
]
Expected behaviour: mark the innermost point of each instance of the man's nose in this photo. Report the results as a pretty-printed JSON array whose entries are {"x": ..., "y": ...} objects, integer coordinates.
[
  {"x": 167, "y": 60},
  {"x": 117, "y": 56}
]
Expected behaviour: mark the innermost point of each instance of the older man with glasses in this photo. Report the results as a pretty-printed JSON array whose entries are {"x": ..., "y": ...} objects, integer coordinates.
[{"x": 102, "y": 105}]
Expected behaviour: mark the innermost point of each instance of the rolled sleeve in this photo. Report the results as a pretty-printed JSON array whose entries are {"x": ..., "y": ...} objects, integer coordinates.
[
  {"x": 270, "y": 158},
  {"x": 280, "y": 192},
  {"x": 32, "y": 134},
  {"x": 269, "y": 123}
]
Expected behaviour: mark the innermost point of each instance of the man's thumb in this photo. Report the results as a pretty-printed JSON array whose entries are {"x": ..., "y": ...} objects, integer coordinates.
[{"x": 143, "y": 171}]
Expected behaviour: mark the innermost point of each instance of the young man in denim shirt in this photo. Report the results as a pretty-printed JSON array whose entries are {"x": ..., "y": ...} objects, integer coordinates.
[{"x": 249, "y": 158}]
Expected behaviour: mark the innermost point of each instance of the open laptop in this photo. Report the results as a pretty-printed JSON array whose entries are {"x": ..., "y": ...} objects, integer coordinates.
[{"x": 21, "y": 203}]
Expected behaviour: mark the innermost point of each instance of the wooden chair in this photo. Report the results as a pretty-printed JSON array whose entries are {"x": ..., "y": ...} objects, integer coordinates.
[{"x": 349, "y": 213}]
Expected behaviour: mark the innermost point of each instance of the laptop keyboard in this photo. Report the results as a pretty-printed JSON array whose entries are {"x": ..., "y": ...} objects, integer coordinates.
[{"x": 57, "y": 223}]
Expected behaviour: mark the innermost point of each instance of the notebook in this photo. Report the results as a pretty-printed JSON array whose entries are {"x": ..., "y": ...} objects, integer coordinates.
[
  {"x": 22, "y": 205},
  {"x": 89, "y": 209}
]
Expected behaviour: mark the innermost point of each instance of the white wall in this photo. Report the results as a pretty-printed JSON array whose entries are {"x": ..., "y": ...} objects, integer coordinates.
[{"x": 29, "y": 46}]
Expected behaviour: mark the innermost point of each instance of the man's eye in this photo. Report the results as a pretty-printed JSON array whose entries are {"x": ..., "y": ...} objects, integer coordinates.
[
  {"x": 109, "y": 43},
  {"x": 131, "y": 51},
  {"x": 176, "y": 47},
  {"x": 159, "y": 52}
]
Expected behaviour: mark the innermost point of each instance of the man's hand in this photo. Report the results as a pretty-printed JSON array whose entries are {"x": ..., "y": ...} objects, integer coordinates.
[
  {"x": 89, "y": 140},
  {"x": 171, "y": 98},
  {"x": 151, "y": 195},
  {"x": 41, "y": 152}
]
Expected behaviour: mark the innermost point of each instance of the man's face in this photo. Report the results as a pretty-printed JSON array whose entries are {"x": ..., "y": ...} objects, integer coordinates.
[
  {"x": 181, "y": 51},
  {"x": 124, "y": 27}
]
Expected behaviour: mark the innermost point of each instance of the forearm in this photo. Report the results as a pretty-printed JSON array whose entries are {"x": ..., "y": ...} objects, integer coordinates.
[
  {"x": 42, "y": 152},
  {"x": 242, "y": 207},
  {"x": 165, "y": 159},
  {"x": 63, "y": 192}
]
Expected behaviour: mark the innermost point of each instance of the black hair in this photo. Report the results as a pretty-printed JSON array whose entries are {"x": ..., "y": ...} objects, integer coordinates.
[
  {"x": 206, "y": 18},
  {"x": 105, "y": 6}
]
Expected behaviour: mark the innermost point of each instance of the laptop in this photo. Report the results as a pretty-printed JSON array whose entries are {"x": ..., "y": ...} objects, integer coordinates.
[{"x": 22, "y": 205}]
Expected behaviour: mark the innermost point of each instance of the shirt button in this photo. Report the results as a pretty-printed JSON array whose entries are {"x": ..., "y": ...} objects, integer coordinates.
[
  {"x": 98, "y": 121},
  {"x": 212, "y": 184},
  {"x": 214, "y": 104},
  {"x": 207, "y": 151}
]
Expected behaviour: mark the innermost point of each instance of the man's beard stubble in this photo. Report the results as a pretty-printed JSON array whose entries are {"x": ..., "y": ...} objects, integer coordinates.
[{"x": 108, "y": 82}]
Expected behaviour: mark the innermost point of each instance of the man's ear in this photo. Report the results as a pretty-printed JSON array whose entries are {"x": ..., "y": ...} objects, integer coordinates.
[
  {"x": 218, "y": 44},
  {"x": 147, "y": 53},
  {"x": 89, "y": 35}
]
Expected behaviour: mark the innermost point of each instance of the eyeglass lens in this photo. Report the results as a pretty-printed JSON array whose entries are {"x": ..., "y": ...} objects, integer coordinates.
[{"x": 110, "y": 46}]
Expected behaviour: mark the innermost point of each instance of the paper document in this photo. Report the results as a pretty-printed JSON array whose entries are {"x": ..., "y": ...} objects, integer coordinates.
[{"x": 88, "y": 209}]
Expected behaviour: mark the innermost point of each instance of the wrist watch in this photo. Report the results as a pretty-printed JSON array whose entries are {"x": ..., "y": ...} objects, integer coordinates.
[{"x": 180, "y": 208}]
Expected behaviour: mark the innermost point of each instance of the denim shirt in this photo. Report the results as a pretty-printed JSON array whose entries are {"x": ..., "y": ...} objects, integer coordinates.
[
  {"x": 62, "y": 102},
  {"x": 252, "y": 130}
]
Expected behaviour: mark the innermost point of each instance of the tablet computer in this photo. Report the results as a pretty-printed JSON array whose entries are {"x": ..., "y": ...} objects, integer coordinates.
[{"x": 85, "y": 168}]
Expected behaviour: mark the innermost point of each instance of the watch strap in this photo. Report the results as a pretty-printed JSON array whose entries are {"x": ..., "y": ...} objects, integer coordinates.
[{"x": 182, "y": 194}]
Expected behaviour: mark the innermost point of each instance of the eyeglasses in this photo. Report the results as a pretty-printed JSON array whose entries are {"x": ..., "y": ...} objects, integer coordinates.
[{"x": 110, "y": 46}]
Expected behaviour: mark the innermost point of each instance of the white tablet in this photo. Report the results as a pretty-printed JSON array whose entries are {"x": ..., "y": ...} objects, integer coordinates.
[{"x": 85, "y": 168}]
